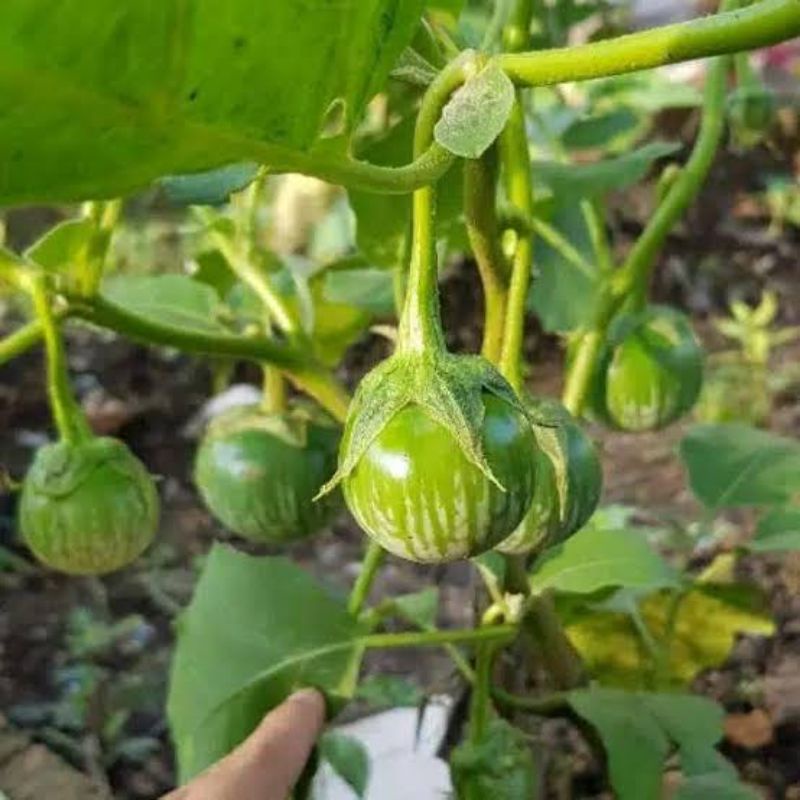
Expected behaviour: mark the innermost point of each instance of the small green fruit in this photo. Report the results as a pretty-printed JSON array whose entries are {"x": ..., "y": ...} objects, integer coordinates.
[
  {"x": 88, "y": 508},
  {"x": 258, "y": 473},
  {"x": 650, "y": 371},
  {"x": 418, "y": 495},
  {"x": 569, "y": 481}
]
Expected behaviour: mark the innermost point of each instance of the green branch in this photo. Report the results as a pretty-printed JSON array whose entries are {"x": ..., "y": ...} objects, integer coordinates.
[
  {"x": 517, "y": 168},
  {"x": 633, "y": 279},
  {"x": 297, "y": 364},
  {"x": 636, "y": 271},
  {"x": 494, "y": 633},
  {"x": 760, "y": 25},
  {"x": 369, "y": 568},
  {"x": 483, "y": 229},
  {"x": 70, "y": 422},
  {"x": 23, "y": 339}
]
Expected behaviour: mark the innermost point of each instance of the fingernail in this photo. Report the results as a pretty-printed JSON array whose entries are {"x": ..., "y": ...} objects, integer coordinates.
[{"x": 308, "y": 695}]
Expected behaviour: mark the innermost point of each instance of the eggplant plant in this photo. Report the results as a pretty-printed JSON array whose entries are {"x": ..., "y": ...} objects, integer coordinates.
[{"x": 447, "y": 129}]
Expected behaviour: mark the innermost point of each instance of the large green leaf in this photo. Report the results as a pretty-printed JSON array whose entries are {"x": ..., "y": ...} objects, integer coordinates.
[
  {"x": 102, "y": 97},
  {"x": 349, "y": 759},
  {"x": 168, "y": 299},
  {"x": 564, "y": 291},
  {"x": 595, "y": 559},
  {"x": 640, "y": 729},
  {"x": 256, "y": 630},
  {"x": 735, "y": 465},
  {"x": 777, "y": 530},
  {"x": 696, "y": 631},
  {"x": 601, "y": 177}
]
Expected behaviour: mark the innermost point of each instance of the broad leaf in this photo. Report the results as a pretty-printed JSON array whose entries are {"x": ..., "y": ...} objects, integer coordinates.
[
  {"x": 735, "y": 465},
  {"x": 601, "y": 130},
  {"x": 720, "y": 785},
  {"x": 212, "y": 188},
  {"x": 390, "y": 691},
  {"x": 601, "y": 177},
  {"x": 212, "y": 269},
  {"x": 649, "y": 91},
  {"x": 419, "y": 608},
  {"x": 101, "y": 98},
  {"x": 348, "y": 758},
  {"x": 63, "y": 246},
  {"x": 167, "y": 299},
  {"x": 778, "y": 530},
  {"x": 365, "y": 288},
  {"x": 597, "y": 559},
  {"x": 639, "y": 730},
  {"x": 564, "y": 291},
  {"x": 476, "y": 113},
  {"x": 704, "y": 626},
  {"x": 256, "y": 630}
]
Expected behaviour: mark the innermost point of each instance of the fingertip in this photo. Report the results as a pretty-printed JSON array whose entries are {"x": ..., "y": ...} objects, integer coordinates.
[{"x": 310, "y": 702}]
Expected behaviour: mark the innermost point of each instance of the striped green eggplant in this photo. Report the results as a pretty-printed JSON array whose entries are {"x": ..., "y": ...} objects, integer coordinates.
[
  {"x": 88, "y": 508},
  {"x": 258, "y": 473},
  {"x": 415, "y": 491},
  {"x": 568, "y": 484},
  {"x": 650, "y": 372}
]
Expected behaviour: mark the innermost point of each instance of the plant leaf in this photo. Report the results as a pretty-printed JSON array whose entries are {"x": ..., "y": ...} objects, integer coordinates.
[
  {"x": 595, "y": 559},
  {"x": 256, "y": 630},
  {"x": 601, "y": 177},
  {"x": 564, "y": 293},
  {"x": 168, "y": 299},
  {"x": 778, "y": 530},
  {"x": 211, "y": 188},
  {"x": 476, "y": 113},
  {"x": 639, "y": 729},
  {"x": 63, "y": 246},
  {"x": 349, "y": 760},
  {"x": 419, "y": 608},
  {"x": 706, "y": 624},
  {"x": 389, "y": 691},
  {"x": 735, "y": 465},
  {"x": 103, "y": 98}
]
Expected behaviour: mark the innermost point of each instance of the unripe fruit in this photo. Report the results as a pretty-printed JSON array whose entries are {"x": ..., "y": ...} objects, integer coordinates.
[
  {"x": 258, "y": 473},
  {"x": 559, "y": 509},
  {"x": 88, "y": 508},
  {"x": 650, "y": 372},
  {"x": 417, "y": 494}
]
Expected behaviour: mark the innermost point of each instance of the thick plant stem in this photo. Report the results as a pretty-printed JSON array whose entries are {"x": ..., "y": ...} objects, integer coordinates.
[
  {"x": 23, "y": 339},
  {"x": 252, "y": 275},
  {"x": 760, "y": 25},
  {"x": 631, "y": 282},
  {"x": 298, "y": 365},
  {"x": 70, "y": 422},
  {"x": 517, "y": 165},
  {"x": 638, "y": 266},
  {"x": 104, "y": 216},
  {"x": 274, "y": 390},
  {"x": 541, "y": 626},
  {"x": 496, "y": 633},
  {"x": 559, "y": 657},
  {"x": 480, "y": 177},
  {"x": 373, "y": 559},
  {"x": 579, "y": 377},
  {"x": 420, "y": 327},
  {"x": 481, "y": 692}
]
